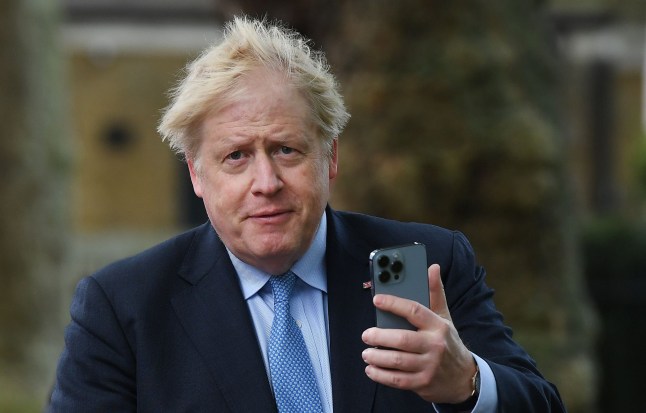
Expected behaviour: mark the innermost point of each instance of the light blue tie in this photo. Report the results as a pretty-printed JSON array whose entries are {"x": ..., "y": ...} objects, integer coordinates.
[{"x": 291, "y": 370}]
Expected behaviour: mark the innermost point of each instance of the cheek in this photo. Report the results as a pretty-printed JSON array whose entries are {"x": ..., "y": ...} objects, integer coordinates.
[
  {"x": 219, "y": 196},
  {"x": 322, "y": 177},
  {"x": 315, "y": 185}
]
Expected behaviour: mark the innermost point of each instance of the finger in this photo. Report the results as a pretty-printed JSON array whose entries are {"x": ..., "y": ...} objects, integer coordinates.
[
  {"x": 393, "y": 378},
  {"x": 392, "y": 359},
  {"x": 436, "y": 292},
  {"x": 404, "y": 340},
  {"x": 416, "y": 314}
]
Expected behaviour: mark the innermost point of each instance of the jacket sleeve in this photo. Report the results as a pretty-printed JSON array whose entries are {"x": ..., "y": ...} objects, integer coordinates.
[
  {"x": 96, "y": 371},
  {"x": 520, "y": 386}
]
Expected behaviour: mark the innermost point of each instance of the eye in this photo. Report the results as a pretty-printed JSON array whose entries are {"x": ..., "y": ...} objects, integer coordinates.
[
  {"x": 235, "y": 155},
  {"x": 286, "y": 150}
]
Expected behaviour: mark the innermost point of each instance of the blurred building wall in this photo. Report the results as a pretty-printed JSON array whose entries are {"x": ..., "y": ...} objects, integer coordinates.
[
  {"x": 125, "y": 177},
  {"x": 603, "y": 64},
  {"x": 129, "y": 190}
]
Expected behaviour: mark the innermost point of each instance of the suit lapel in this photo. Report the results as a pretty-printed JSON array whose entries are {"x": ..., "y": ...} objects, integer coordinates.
[
  {"x": 350, "y": 313},
  {"x": 216, "y": 318}
]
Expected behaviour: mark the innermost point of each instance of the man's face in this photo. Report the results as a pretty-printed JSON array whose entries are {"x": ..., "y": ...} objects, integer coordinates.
[{"x": 264, "y": 174}]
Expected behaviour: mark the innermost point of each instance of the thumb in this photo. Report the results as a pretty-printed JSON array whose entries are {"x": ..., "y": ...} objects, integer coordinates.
[{"x": 436, "y": 291}]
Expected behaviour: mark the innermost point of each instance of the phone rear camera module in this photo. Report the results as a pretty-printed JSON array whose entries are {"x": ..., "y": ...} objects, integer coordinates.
[
  {"x": 397, "y": 266},
  {"x": 384, "y": 276},
  {"x": 383, "y": 261}
]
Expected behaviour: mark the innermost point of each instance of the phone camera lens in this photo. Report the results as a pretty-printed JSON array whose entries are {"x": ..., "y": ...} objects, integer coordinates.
[
  {"x": 384, "y": 276},
  {"x": 397, "y": 266},
  {"x": 383, "y": 261}
]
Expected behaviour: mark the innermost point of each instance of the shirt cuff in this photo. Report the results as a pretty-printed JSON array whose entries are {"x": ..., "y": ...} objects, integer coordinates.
[{"x": 488, "y": 396}]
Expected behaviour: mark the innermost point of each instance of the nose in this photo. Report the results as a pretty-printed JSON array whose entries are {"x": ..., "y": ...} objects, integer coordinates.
[{"x": 266, "y": 176}]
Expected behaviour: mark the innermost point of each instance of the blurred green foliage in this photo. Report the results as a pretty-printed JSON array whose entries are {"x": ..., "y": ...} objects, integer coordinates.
[{"x": 615, "y": 264}]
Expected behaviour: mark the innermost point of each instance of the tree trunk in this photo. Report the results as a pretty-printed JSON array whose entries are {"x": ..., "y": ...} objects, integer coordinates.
[{"x": 33, "y": 200}]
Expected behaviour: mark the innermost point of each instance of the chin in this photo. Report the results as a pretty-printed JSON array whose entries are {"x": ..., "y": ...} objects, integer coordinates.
[
  {"x": 286, "y": 253},
  {"x": 277, "y": 251}
]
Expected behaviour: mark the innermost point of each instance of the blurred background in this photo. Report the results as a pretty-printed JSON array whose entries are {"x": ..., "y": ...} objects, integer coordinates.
[{"x": 519, "y": 122}]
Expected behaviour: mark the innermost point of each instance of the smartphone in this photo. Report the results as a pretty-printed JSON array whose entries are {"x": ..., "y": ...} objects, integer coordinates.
[{"x": 400, "y": 271}]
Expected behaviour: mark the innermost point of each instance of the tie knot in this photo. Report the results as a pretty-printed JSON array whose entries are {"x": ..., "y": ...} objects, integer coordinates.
[{"x": 282, "y": 286}]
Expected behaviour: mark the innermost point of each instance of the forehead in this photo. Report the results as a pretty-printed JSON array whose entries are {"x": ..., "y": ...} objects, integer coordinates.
[
  {"x": 261, "y": 98},
  {"x": 263, "y": 90}
]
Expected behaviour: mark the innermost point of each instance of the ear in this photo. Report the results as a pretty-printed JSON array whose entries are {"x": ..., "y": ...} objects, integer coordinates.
[
  {"x": 195, "y": 178},
  {"x": 334, "y": 160}
]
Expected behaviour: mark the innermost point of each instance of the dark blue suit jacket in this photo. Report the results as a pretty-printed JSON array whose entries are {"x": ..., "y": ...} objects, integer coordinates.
[{"x": 169, "y": 331}]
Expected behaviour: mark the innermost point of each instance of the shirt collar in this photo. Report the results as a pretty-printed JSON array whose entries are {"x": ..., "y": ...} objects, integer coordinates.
[{"x": 310, "y": 268}]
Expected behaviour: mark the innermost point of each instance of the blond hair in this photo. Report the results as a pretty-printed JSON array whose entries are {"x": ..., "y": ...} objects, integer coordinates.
[{"x": 214, "y": 77}]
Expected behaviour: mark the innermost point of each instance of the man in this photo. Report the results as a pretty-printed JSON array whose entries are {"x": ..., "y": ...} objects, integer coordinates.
[{"x": 191, "y": 324}]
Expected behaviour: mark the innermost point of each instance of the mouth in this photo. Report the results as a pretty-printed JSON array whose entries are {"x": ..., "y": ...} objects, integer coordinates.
[{"x": 270, "y": 216}]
